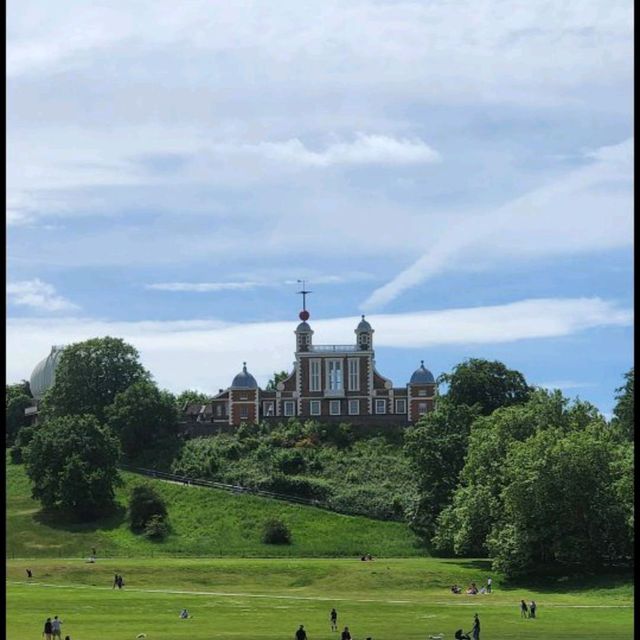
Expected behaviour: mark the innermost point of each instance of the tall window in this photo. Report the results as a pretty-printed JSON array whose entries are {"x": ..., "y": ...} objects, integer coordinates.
[
  {"x": 354, "y": 407},
  {"x": 381, "y": 405},
  {"x": 334, "y": 375},
  {"x": 314, "y": 407},
  {"x": 244, "y": 411},
  {"x": 354, "y": 374},
  {"x": 422, "y": 407},
  {"x": 315, "y": 376},
  {"x": 401, "y": 406},
  {"x": 334, "y": 407},
  {"x": 289, "y": 408},
  {"x": 267, "y": 408}
]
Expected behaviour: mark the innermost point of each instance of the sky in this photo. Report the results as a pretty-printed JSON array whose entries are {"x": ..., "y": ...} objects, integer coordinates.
[{"x": 460, "y": 172}]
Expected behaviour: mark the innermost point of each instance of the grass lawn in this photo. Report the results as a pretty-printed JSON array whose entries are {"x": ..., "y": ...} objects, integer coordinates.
[
  {"x": 387, "y": 599},
  {"x": 204, "y": 522}
]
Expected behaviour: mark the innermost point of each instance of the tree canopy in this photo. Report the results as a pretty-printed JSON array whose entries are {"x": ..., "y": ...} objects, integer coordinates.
[
  {"x": 277, "y": 377},
  {"x": 623, "y": 411},
  {"x": 490, "y": 385},
  {"x": 71, "y": 462},
  {"x": 141, "y": 415},
  {"x": 90, "y": 374},
  {"x": 192, "y": 397}
]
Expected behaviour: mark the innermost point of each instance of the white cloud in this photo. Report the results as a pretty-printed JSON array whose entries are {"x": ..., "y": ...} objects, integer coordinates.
[
  {"x": 566, "y": 385},
  {"x": 37, "y": 295},
  {"x": 588, "y": 209},
  {"x": 207, "y": 354},
  {"x": 365, "y": 149}
]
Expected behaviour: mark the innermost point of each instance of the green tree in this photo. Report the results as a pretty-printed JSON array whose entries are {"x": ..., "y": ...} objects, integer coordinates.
[
  {"x": 90, "y": 374},
  {"x": 436, "y": 447},
  {"x": 142, "y": 416},
  {"x": 464, "y": 524},
  {"x": 21, "y": 388},
  {"x": 15, "y": 419},
  {"x": 560, "y": 502},
  {"x": 622, "y": 420},
  {"x": 72, "y": 464},
  {"x": 277, "y": 377},
  {"x": 144, "y": 504},
  {"x": 490, "y": 385},
  {"x": 191, "y": 396}
]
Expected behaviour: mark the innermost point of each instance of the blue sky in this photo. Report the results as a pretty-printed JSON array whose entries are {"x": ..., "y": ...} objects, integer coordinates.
[{"x": 460, "y": 172}]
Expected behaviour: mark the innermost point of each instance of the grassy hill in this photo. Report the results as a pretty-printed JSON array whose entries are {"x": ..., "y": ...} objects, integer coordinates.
[{"x": 205, "y": 522}]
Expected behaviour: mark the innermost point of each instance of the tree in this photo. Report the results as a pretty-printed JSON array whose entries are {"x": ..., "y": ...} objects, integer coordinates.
[
  {"x": 273, "y": 381},
  {"x": 141, "y": 416},
  {"x": 21, "y": 388},
  {"x": 560, "y": 502},
  {"x": 623, "y": 412},
  {"x": 72, "y": 464},
  {"x": 90, "y": 374},
  {"x": 145, "y": 503},
  {"x": 276, "y": 532},
  {"x": 192, "y": 397},
  {"x": 436, "y": 447},
  {"x": 491, "y": 385},
  {"x": 15, "y": 418},
  {"x": 476, "y": 505}
]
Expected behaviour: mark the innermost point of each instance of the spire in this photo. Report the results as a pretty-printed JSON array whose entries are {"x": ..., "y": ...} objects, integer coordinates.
[{"x": 304, "y": 314}]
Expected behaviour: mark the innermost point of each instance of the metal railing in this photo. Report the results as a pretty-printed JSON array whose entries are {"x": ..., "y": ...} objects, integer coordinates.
[{"x": 334, "y": 347}]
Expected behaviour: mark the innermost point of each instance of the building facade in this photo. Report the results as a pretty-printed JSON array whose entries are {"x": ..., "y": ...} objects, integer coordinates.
[{"x": 334, "y": 383}]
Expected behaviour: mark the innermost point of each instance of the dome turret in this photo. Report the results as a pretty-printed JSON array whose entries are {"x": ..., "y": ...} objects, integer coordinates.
[
  {"x": 244, "y": 380},
  {"x": 44, "y": 373},
  {"x": 422, "y": 375},
  {"x": 364, "y": 334}
]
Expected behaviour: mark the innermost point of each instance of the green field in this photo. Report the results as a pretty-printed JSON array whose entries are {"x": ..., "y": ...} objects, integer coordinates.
[
  {"x": 399, "y": 599},
  {"x": 204, "y": 522}
]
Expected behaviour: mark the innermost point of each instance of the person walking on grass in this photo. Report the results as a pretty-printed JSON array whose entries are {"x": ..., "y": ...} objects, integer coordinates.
[
  {"x": 523, "y": 609},
  {"x": 301, "y": 634},
  {"x": 334, "y": 620},
  {"x": 46, "y": 634},
  {"x": 532, "y": 609},
  {"x": 345, "y": 635},
  {"x": 475, "y": 630},
  {"x": 115, "y": 581},
  {"x": 56, "y": 631},
  {"x": 488, "y": 585}
]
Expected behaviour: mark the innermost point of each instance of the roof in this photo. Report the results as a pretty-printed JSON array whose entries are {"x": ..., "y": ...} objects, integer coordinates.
[
  {"x": 244, "y": 380},
  {"x": 422, "y": 375},
  {"x": 303, "y": 326},
  {"x": 44, "y": 373},
  {"x": 363, "y": 325}
]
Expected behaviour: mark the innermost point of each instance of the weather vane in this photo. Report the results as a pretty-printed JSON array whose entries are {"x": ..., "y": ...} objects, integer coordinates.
[{"x": 304, "y": 314}]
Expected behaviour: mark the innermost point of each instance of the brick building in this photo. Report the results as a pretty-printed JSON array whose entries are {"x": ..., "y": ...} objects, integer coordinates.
[{"x": 337, "y": 383}]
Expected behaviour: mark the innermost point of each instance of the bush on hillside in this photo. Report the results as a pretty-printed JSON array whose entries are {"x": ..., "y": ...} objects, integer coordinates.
[
  {"x": 303, "y": 487},
  {"x": 157, "y": 528},
  {"x": 145, "y": 503},
  {"x": 276, "y": 532}
]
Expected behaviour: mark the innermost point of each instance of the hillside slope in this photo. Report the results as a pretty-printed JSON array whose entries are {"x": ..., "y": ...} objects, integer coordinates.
[{"x": 205, "y": 522}]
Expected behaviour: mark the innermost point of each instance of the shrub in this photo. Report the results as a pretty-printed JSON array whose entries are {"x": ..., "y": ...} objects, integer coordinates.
[
  {"x": 144, "y": 504},
  {"x": 16, "y": 454},
  {"x": 156, "y": 528},
  {"x": 276, "y": 532}
]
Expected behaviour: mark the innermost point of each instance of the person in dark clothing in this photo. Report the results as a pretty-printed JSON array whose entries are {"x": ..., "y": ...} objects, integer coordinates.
[
  {"x": 523, "y": 609},
  {"x": 475, "y": 630},
  {"x": 120, "y": 582},
  {"x": 532, "y": 609},
  {"x": 345, "y": 635},
  {"x": 48, "y": 630},
  {"x": 115, "y": 581},
  {"x": 334, "y": 620},
  {"x": 29, "y": 574},
  {"x": 301, "y": 634}
]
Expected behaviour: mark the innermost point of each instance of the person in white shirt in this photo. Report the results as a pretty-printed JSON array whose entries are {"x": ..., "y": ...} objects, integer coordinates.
[
  {"x": 488, "y": 585},
  {"x": 55, "y": 627}
]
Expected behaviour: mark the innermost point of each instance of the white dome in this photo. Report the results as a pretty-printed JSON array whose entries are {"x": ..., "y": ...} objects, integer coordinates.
[{"x": 44, "y": 374}]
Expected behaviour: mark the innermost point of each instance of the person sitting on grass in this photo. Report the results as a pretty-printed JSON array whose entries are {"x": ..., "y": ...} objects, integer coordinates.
[
  {"x": 456, "y": 589},
  {"x": 184, "y": 614}
]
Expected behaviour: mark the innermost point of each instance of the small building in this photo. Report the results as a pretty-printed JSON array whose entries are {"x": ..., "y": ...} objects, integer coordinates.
[{"x": 329, "y": 383}]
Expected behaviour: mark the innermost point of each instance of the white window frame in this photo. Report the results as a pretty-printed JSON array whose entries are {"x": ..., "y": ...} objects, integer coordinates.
[
  {"x": 401, "y": 402},
  {"x": 423, "y": 407},
  {"x": 332, "y": 404},
  {"x": 315, "y": 376},
  {"x": 335, "y": 383},
  {"x": 422, "y": 392},
  {"x": 219, "y": 411},
  {"x": 244, "y": 411},
  {"x": 353, "y": 367},
  {"x": 266, "y": 404},
  {"x": 356, "y": 404},
  {"x": 381, "y": 402},
  {"x": 289, "y": 408},
  {"x": 315, "y": 408}
]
